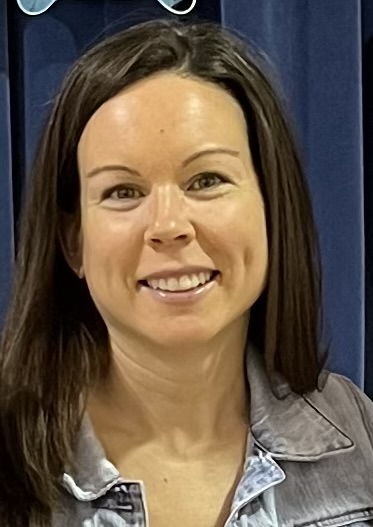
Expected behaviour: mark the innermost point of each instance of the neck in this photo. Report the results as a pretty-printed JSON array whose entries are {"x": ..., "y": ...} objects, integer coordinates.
[{"x": 184, "y": 399}]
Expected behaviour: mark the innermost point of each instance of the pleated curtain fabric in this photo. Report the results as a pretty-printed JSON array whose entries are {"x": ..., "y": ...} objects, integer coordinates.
[
  {"x": 321, "y": 52},
  {"x": 367, "y": 61}
]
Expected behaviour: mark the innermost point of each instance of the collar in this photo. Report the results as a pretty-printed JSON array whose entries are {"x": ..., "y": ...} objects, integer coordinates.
[
  {"x": 289, "y": 426},
  {"x": 284, "y": 425},
  {"x": 92, "y": 475}
]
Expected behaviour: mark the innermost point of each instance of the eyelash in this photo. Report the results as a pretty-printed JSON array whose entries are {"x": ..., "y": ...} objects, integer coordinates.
[
  {"x": 109, "y": 192},
  {"x": 210, "y": 174}
]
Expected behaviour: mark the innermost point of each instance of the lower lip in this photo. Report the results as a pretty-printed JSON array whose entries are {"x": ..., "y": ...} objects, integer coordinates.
[{"x": 181, "y": 297}]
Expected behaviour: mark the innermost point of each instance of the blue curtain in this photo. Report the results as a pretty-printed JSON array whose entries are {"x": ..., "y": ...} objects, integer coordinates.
[
  {"x": 323, "y": 54},
  {"x": 367, "y": 74}
]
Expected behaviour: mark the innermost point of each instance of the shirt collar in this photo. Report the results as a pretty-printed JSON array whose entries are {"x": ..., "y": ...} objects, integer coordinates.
[
  {"x": 289, "y": 426},
  {"x": 283, "y": 424},
  {"x": 92, "y": 474}
]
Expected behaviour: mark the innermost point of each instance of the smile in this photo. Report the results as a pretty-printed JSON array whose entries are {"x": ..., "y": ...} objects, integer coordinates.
[
  {"x": 187, "y": 290},
  {"x": 182, "y": 283}
]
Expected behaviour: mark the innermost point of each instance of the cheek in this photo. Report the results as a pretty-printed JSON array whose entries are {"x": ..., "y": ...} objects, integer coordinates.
[
  {"x": 256, "y": 254},
  {"x": 241, "y": 229},
  {"x": 251, "y": 257},
  {"x": 109, "y": 249},
  {"x": 257, "y": 242}
]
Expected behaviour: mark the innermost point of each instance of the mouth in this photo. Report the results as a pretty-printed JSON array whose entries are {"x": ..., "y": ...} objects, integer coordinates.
[{"x": 174, "y": 286}]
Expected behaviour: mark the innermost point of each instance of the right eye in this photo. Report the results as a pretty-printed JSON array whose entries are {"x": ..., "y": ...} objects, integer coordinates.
[{"x": 121, "y": 193}]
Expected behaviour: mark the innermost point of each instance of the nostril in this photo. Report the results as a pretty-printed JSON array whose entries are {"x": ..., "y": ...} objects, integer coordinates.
[{"x": 169, "y": 239}]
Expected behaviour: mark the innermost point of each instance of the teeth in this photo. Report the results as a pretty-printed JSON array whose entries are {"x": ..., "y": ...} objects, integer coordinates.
[{"x": 184, "y": 283}]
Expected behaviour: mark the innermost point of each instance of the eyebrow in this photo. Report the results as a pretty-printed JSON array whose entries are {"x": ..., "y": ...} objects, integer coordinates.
[
  {"x": 193, "y": 157},
  {"x": 112, "y": 168},
  {"x": 187, "y": 161}
]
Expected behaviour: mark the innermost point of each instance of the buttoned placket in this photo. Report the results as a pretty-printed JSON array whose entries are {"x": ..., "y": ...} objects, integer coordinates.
[{"x": 261, "y": 475}]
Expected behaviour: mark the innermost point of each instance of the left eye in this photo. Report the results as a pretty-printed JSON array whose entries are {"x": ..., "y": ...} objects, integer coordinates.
[{"x": 206, "y": 181}]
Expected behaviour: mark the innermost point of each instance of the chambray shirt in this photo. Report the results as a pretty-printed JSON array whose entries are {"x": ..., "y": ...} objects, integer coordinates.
[{"x": 309, "y": 463}]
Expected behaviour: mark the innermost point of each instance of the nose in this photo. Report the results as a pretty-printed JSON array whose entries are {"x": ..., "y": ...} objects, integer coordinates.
[{"x": 169, "y": 225}]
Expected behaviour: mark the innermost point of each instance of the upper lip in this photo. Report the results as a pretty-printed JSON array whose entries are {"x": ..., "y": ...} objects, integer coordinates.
[{"x": 178, "y": 272}]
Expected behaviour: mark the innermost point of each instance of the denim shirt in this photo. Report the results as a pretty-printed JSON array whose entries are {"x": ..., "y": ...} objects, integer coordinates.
[{"x": 309, "y": 463}]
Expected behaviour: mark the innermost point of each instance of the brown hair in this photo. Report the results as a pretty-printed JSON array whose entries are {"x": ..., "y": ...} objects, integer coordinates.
[{"x": 54, "y": 343}]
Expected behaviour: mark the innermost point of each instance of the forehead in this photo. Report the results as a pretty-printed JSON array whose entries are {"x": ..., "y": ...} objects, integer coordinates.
[{"x": 166, "y": 113}]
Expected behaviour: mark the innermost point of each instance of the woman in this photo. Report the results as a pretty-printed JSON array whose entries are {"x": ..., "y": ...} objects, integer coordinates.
[{"x": 161, "y": 358}]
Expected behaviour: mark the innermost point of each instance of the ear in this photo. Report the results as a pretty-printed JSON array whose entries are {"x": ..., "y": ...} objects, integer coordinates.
[{"x": 70, "y": 238}]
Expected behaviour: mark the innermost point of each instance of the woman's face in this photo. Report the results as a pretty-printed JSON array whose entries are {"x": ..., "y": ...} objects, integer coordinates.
[{"x": 179, "y": 196}]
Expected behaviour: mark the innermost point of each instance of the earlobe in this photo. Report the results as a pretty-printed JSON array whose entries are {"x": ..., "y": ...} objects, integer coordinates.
[
  {"x": 70, "y": 239},
  {"x": 80, "y": 272}
]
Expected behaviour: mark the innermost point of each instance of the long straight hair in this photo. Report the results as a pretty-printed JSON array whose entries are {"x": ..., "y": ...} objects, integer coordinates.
[{"x": 54, "y": 343}]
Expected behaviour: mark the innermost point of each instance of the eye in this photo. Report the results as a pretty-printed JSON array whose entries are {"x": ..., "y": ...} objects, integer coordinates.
[
  {"x": 207, "y": 180},
  {"x": 122, "y": 192}
]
